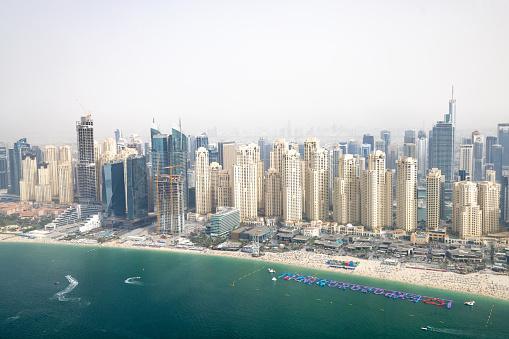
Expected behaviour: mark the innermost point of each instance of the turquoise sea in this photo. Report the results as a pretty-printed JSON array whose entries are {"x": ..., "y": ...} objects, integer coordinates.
[{"x": 191, "y": 296}]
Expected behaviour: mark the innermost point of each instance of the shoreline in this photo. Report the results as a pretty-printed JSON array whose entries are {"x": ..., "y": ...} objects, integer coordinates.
[{"x": 494, "y": 286}]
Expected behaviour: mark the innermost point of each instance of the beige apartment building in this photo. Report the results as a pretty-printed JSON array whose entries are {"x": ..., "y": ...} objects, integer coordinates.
[
  {"x": 406, "y": 194},
  {"x": 433, "y": 198}
]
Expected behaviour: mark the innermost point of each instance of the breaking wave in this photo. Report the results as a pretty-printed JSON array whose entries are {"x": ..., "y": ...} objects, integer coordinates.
[{"x": 133, "y": 281}]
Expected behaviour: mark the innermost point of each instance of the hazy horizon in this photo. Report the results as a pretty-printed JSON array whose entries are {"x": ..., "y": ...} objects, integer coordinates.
[{"x": 226, "y": 64}]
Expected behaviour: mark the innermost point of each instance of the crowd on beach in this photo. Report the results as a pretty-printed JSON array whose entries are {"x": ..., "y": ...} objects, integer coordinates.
[{"x": 484, "y": 284}]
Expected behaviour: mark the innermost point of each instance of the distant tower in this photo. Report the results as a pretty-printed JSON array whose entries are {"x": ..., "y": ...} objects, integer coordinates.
[
  {"x": 467, "y": 160},
  {"x": 51, "y": 157},
  {"x": 15, "y": 168},
  {"x": 86, "y": 162},
  {"x": 422, "y": 152},
  {"x": 386, "y": 137},
  {"x": 503, "y": 139}
]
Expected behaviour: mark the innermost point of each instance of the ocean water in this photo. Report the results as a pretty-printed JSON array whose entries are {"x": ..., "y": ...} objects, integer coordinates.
[{"x": 195, "y": 296}]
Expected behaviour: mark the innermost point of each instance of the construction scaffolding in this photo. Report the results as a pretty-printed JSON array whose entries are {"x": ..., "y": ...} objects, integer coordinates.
[{"x": 170, "y": 204}]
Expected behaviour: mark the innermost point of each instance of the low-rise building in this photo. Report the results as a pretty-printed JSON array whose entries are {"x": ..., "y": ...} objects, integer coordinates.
[{"x": 223, "y": 221}]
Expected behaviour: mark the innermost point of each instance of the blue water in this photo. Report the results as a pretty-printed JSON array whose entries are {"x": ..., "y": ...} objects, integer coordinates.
[{"x": 191, "y": 296}]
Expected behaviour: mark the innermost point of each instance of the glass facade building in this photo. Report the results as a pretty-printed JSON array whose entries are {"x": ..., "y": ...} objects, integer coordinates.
[
  {"x": 4, "y": 180},
  {"x": 225, "y": 220},
  {"x": 20, "y": 148},
  {"x": 441, "y": 152},
  {"x": 503, "y": 139},
  {"x": 113, "y": 189},
  {"x": 178, "y": 160},
  {"x": 136, "y": 187}
]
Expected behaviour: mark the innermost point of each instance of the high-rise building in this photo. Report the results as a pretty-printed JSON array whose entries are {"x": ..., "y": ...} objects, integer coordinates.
[
  {"x": 246, "y": 181},
  {"x": 4, "y": 168},
  {"x": 386, "y": 137},
  {"x": 352, "y": 147},
  {"x": 409, "y": 137},
  {"x": 65, "y": 183},
  {"x": 410, "y": 150},
  {"x": 113, "y": 189},
  {"x": 118, "y": 135},
  {"x": 489, "y": 201},
  {"x": 319, "y": 186},
  {"x": 335, "y": 154},
  {"x": 441, "y": 150},
  {"x": 433, "y": 199},
  {"x": 392, "y": 157},
  {"x": 170, "y": 199},
  {"x": 273, "y": 194},
  {"x": 15, "y": 168},
  {"x": 497, "y": 157},
  {"x": 29, "y": 178},
  {"x": 376, "y": 193},
  {"x": 277, "y": 162},
  {"x": 64, "y": 154},
  {"x": 347, "y": 200},
  {"x": 311, "y": 145},
  {"x": 490, "y": 141},
  {"x": 202, "y": 140},
  {"x": 478, "y": 157},
  {"x": 466, "y": 213},
  {"x": 292, "y": 186},
  {"x": 504, "y": 199},
  {"x": 214, "y": 170},
  {"x": 226, "y": 153},
  {"x": 422, "y": 152},
  {"x": 43, "y": 187},
  {"x": 380, "y": 145},
  {"x": 406, "y": 194},
  {"x": 224, "y": 189},
  {"x": 370, "y": 140},
  {"x": 51, "y": 157},
  {"x": 202, "y": 182},
  {"x": 86, "y": 160},
  {"x": 178, "y": 160},
  {"x": 467, "y": 160},
  {"x": 265, "y": 149},
  {"x": 136, "y": 187},
  {"x": 503, "y": 139}
]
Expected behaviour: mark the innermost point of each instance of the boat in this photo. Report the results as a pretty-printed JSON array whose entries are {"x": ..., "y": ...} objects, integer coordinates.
[
  {"x": 427, "y": 328},
  {"x": 271, "y": 270},
  {"x": 470, "y": 303},
  {"x": 56, "y": 282},
  {"x": 274, "y": 279},
  {"x": 138, "y": 277}
]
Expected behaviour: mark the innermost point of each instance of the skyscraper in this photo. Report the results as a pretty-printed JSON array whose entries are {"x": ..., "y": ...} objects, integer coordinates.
[
  {"x": 504, "y": 199},
  {"x": 422, "y": 152},
  {"x": 319, "y": 186},
  {"x": 246, "y": 181},
  {"x": 406, "y": 194},
  {"x": 202, "y": 182},
  {"x": 392, "y": 156},
  {"x": 4, "y": 169},
  {"x": 490, "y": 141},
  {"x": 386, "y": 137},
  {"x": 29, "y": 177},
  {"x": 311, "y": 145},
  {"x": 467, "y": 160},
  {"x": 409, "y": 137},
  {"x": 489, "y": 202},
  {"x": 409, "y": 150},
  {"x": 170, "y": 198},
  {"x": 376, "y": 193},
  {"x": 370, "y": 140},
  {"x": 43, "y": 187},
  {"x": 478, "y": 157},
  {"x": 347, "y": 194},
  {"x": 214, "y": 169},
  {"x": 466, "y": 213},
  {"x": 113, "y": 189},
  {"x": 273, "y": 194},
  {"x": 433, "y": 199},
  {"x": 503, "y": 139},
  {"x": 202, "y": 140},
  {"x": 51, "y": 157},
  {"x": 15, "y": 168},
  {"x": 86, "y": 160},
  {"x": 136, "y": 187},
  {"x": 497, "y": 157},
  {"x": 277, "y": 162},
  {"x": 441, "y": 150},
  {"x": 292, "y": 186},
  {"x": 178, "y": 160}
]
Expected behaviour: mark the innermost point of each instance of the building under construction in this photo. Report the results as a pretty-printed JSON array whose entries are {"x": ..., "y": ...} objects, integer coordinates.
[{"x": 170, "y": 206}]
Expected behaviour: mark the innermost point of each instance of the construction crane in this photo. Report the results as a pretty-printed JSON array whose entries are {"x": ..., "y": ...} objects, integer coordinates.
[
  {"x": 84, "y": 110},
  {"x": 171, "y": 197}
]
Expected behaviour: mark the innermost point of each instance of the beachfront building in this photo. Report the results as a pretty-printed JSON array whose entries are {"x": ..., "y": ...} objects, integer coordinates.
[
  {"x": 273, "y": 194},
  {"x": 318, "y": 186},
  {"x": 466, "y": 213},
  {"x": 246, "y": 181},
  {"x": 29, "y": 177},
  {"x": 214, "y": 170},
  {"x": 86, "y": 171},
  {"x": 489, "y": 202},
  {"x": 224, "y": 189},
  {"x": 277, "y": 163},
  {"x": 433, "y": 199},
  {"x": 202, "y": 181},
  {"x": 311, "y": 145},
  {"x": 292, "y": 186},
  {"x": 170, "y": 199},
  {"x": 51, "y": 157},
  {"x": 406, "y": 194},
  {"x": 65, "y": 183},
  {"x": 347, "y": 200},
  {"x": 376, "y": 193},
  {"x": 43, "y": 187},
  {"x": 225, "y": 220}
]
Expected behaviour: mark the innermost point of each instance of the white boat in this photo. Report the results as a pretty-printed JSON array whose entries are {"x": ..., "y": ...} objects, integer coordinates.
[
  {"x": 427, "y": 328},
  {"x": 274, "y": 279},
  {"x": 470, "y": 303},
  {"x": 271, "y": 270}
]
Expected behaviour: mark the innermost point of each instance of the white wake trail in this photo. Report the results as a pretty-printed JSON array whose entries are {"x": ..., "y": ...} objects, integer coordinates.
[
  {"x": 72, "y": 285},
  {"x": 132, "y": 281}
]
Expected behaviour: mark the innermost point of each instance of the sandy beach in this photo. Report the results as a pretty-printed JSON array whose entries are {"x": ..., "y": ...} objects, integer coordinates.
[{"x": 496, "y": 286}]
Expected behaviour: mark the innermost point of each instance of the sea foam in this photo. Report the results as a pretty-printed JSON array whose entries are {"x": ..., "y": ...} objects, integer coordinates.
[{"x": 72, "y": 285}]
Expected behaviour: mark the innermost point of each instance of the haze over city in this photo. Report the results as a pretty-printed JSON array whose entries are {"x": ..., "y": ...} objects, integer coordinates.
[{"x": 379, "y": 65}]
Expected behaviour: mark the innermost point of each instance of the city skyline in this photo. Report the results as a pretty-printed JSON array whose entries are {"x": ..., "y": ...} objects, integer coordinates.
[{"x": 344, "y": 64}]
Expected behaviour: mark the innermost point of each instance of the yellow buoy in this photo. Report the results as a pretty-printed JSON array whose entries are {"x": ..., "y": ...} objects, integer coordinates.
[
  {"x": 411, "y": 315},
  {"x": 318, "y": 299},
  {"x": 381, "y": 310}
]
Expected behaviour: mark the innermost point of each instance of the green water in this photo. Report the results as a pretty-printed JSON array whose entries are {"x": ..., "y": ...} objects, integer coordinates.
[{"x": 191, "y": 296}]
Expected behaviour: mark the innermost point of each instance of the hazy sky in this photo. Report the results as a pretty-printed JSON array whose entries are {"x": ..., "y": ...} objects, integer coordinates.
[{"x": 386, "y": 64}]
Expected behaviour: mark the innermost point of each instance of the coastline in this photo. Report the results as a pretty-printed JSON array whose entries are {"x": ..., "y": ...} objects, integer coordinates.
[{"x": 495, "y": 286}]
